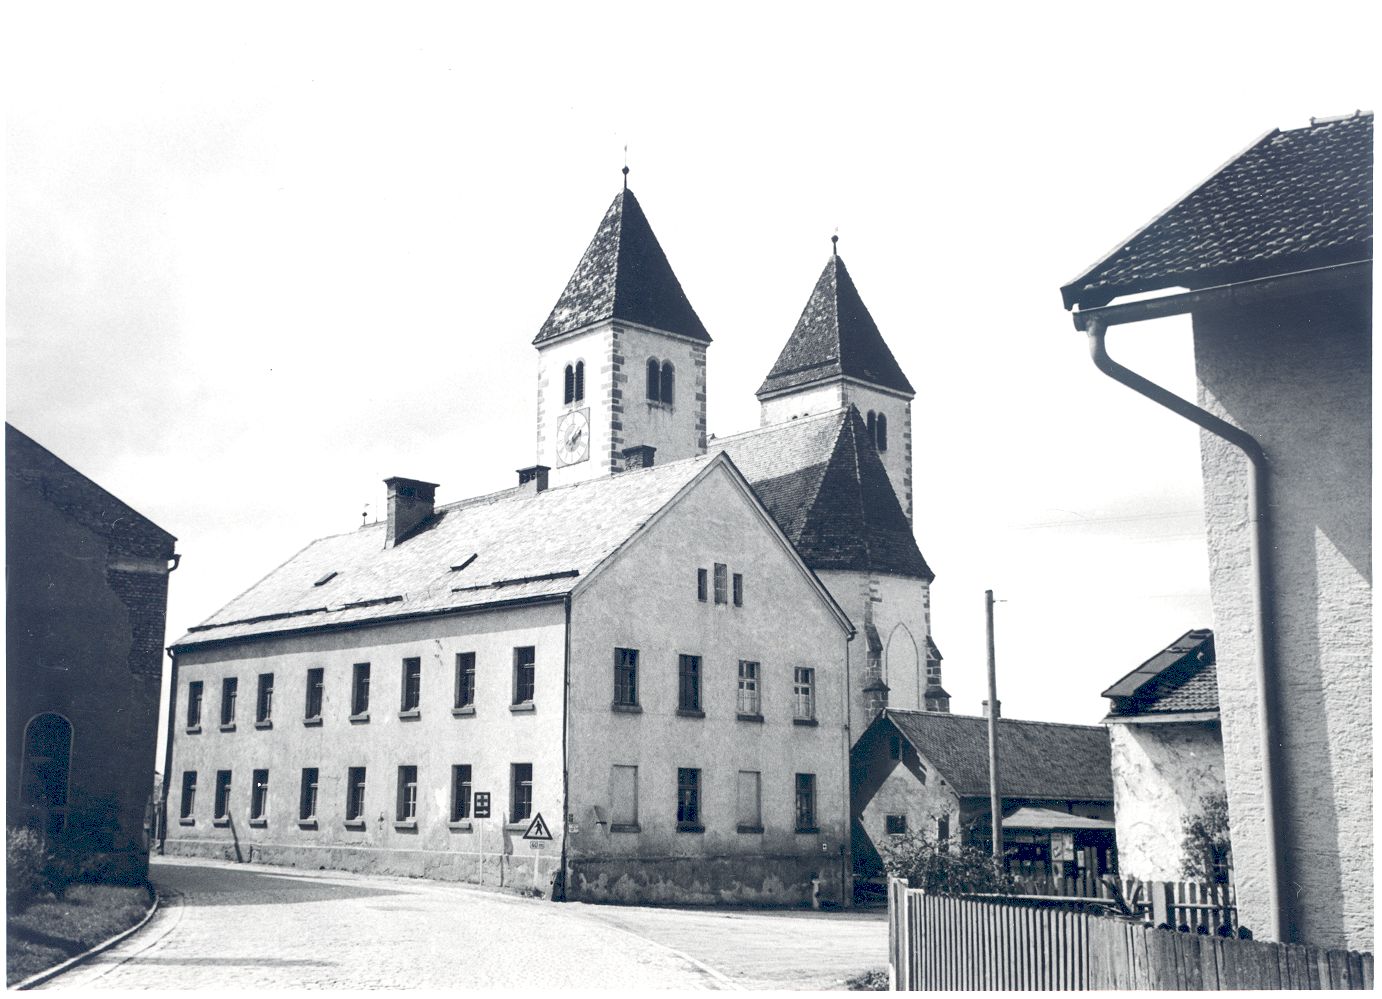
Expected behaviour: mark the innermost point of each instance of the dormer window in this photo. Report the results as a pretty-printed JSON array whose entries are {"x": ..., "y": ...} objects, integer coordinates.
[
  {"x": 661, "y": 382},
  {"x": 574, "y": 384}
]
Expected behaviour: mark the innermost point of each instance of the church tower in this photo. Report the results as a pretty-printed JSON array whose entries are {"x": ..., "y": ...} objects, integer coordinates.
[
  {"x": 621, "y": 358},
  {"x": 836, "y": 356}
]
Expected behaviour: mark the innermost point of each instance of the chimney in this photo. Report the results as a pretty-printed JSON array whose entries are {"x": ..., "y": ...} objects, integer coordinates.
[
  {"x": 986, "y": 708},
  {"x": 638, "y": 456},
  {"x": 533, "y": 480},
  {"x": 875, "y": 698},
  {"x": 411, "y": 501}
]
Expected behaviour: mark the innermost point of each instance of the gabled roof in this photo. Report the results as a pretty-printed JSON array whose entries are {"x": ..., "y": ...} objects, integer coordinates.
[
  {"x": 623, "y": 275},
  {"x": 1035, "y": 759},
  {"x": 835, "y": 336},
  {"x": 826, "y": 487},
  {"x": 1291, "y": 201},
  {"x": 518, "y": 554},
  {"x": 29, "y": 463},
  {"x": 1049, "y": 818},
  {"x": 1181, "y": 677}
]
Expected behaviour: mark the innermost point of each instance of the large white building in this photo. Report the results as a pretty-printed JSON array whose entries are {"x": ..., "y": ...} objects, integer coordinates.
[{"x": 662, "y": 646}]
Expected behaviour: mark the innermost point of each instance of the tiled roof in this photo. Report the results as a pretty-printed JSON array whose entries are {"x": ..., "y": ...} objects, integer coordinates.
[
  {"x": 518, "y": 554},
  {"x": 623, "y": 275},
  {"x": 1292, "y": 201},
  {"x": 826, "y": 487},
  {"x": 1035, "y": 759},
  {"x": 835, "y": 336},
  {"x": 1181, "y": 677}
]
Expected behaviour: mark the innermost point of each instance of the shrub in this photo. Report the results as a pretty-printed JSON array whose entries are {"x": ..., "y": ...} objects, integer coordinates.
[
  {"x": 870, "y": 981},
  {"x": 26, "y": 858},
  {"x": 1205, "y": 846},
  {"x": 945, "y": 869}
]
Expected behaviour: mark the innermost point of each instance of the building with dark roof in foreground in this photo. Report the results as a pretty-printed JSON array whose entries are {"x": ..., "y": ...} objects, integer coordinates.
[
  {"x": 1168, "y": 757},
  {"x": 86, "y": 596},
  {"x": 929, "y": 772},
  {"x": 630, "y": 677},
  {"x": 1275, "y": 249}
]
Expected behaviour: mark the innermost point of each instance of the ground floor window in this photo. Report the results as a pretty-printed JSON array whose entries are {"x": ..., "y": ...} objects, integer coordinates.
[
  {"x": 460, "y": 792},
  {"x": 222, "y": 794},
  {"x": 307, "y": 803},
  {"x": 406, "y": 810},
  {"x": 259, "y": 796},
  {"x": 521, "y": 792},
  {"x": 806, "y": 802},
  {"x": 355, "y": 794},
  {"x": 189, "y": 794},
  {"x": 688, "y": 798}
]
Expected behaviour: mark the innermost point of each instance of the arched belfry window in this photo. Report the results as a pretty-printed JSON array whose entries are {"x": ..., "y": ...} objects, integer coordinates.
[
  {"x": 579, "y": 394},
  {"x": 47, "y": 762},
  {"x": 873, "y": 426},
  {"x": 668, "y": 382},
  {"x": 880, "y": 436},
  {"x": 569, "y": 392},
  {"x": 654, "y": 381}
]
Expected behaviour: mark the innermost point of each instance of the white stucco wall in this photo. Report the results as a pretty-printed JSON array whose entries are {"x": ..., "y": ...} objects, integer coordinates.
[
  {"x": 595, "y": 348},
  {"x": 1160, "y": 773},
  {"x": 647, "y": 600},
  {"x": 1297, "y": 375}
]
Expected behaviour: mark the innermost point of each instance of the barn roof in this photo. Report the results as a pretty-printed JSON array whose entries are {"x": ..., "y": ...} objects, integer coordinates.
[{"x": 1181, "y": 677}]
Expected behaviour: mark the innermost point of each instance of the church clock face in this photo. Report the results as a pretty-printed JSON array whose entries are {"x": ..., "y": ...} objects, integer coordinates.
[{"x": 573, "y": 437}]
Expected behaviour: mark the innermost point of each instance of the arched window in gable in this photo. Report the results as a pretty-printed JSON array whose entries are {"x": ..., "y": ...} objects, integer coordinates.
[
  {"x": 654, "y": 380},
  {"x": 668, "y": 382},
  {"x": 46, "y": 768},
  {"x": 880, "y": 438},
  {"x": 569, "y": 391},
  {"x": 579, "y": 392}
]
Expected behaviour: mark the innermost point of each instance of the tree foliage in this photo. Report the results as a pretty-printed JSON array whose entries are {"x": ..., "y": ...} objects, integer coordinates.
[
  {"x": 1205, "y": 846},
  {"x": 944, "y": 868}
]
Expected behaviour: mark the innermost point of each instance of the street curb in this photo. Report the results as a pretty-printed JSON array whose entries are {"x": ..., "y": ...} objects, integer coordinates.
[{"x": 57, "y": 969}]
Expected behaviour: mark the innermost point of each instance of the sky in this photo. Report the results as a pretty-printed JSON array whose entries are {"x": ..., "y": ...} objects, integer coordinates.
[{"x": 259, "y": 259}]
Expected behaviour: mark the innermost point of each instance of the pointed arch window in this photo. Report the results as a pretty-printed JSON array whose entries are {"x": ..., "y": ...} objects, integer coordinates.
[
  {"x": 654, "y": 380},
  {"x": 880, "y": 435},
  {"x": 47, "y": 765},
  {"x": 668, "y": 382}
]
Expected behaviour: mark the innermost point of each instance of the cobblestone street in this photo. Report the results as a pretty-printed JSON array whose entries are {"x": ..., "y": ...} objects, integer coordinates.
[{"x": 247, "y": 926}]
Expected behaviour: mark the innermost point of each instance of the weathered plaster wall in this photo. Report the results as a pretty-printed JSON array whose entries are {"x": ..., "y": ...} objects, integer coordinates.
[
  {"x": 883, "y": 786},
  {"x": 487, "y": 851},
  {"x": 808, "y": 401},
  {"x": 1297, "y": 375},
  {"x": 1160, "y": 773},
  {"x": 647, "y": 600}
]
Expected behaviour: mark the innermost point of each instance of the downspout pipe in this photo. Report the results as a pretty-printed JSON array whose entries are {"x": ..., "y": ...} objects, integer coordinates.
[{"x": 1095, "y": 327}]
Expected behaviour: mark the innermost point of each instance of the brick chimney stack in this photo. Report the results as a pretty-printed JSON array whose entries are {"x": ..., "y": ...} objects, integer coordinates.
[
  {"x": 411, "y": 501},
  {"x": 533, "y": 479},
  {"x": 638, "y": 456}
]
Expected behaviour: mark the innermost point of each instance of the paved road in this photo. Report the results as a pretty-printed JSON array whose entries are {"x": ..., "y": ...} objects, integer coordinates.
[{"x": 249, "y": 926}]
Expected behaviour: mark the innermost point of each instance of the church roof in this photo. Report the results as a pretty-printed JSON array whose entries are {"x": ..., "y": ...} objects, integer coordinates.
[
  {"x": 623, "y": 275},
  {"x": 835, "y": 336},
  {"x": 517, "y": 554},
  {"x": 1035, "y": 759},
  {"x": 826, "y": 487}
]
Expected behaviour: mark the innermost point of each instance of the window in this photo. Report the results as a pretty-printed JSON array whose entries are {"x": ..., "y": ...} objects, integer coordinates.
[
  {"x": 943, "y": 831},
  {"x": 688, "y": 798},
  {"x": 355, "y": 795},
  {"x": 307, "y": 797},
  {"x": 721, "y": 583},
  {"x": 873, "y": 427},
  {"x": 668, "y": 382},
  {"x": 189, "y": 793},
  {"x": 520, "y": 792},
  {"x": 412, "y": 685},
  {"x": 222, "y": 811},
  {"x": 580, "y": 381},
  {"x": 406, "y": 810},
  {"x": 895, "y": 825},
  {"x": 46, "y": 763},
  {"x": 689, "y": 683},
  {"x": 654, "y": 392},
  {"x": 702, "y": 585},
  {"x": 359, "y": 691},
  {"x": 574, "y": 387},
  {"x": 229, "y": 687},
  {"x": 738, "y": 589},
  {"x": 749, "y": 811},
  {"x": 623, "y": 796},
  {"x": 315, "y": 681},
  {"x": 194, "y": 704},
  {"x": 750, "y": 699},
  {"x": 460, "y": 792},
  {"x": 626, "y": 677},
  {"x": 259, "y": 796},
  {"x": 804, "y": 693},
  {"x": 465, "y": 679},
  {"x": 880, "y": 438},
  {"x": 264, "y": 701},
  {"x": 806, "y": 802},
  {"x": 524, "y": 674}
]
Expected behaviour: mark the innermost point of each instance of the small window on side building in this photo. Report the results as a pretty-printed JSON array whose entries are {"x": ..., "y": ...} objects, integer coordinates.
[
  {"x": 702, "y": 585},
  {"x": 895, "y": 825},
  {"x": 738, "y": 589},
  {"x": 626, "y": 677},
  {"x": 721, "y": 583}
]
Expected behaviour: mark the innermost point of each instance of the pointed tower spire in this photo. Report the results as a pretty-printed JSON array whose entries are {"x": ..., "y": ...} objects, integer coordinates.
[{"x": 624, "y": 275}]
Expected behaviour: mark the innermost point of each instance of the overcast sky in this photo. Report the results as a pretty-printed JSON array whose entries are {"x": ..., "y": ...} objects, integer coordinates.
[{"x": 261, "y": 257}]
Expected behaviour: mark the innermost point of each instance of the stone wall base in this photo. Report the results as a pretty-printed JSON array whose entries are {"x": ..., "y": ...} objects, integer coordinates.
[{"x": 750, "y": 880}]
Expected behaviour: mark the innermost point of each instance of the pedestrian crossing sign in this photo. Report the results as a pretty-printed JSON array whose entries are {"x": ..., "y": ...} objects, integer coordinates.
[{"x": 537, "y": 829}]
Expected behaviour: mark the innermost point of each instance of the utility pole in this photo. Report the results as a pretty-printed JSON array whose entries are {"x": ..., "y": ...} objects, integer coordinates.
[{"x": 995, "y": 800}]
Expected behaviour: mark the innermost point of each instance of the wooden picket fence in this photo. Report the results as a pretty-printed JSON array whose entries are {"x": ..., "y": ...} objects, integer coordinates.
[
  {"x": 943, "y": 942},
  {"x": 1179, "y": 903}
]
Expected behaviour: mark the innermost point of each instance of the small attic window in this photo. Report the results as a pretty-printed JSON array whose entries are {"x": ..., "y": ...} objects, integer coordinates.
[
  {"x": 458, "y": 568},
  {"x": 325, "y": 579}
]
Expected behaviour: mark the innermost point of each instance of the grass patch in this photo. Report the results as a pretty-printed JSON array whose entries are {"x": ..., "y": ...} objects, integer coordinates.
[
  {"x": 50, "y": 930},
  {"x": 870, "y": 981}
]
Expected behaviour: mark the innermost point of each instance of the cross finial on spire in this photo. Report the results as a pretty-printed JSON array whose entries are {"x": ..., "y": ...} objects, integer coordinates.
[
  {"x": 835, "y": 243},
  {"x": 626, "y": 166}
]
